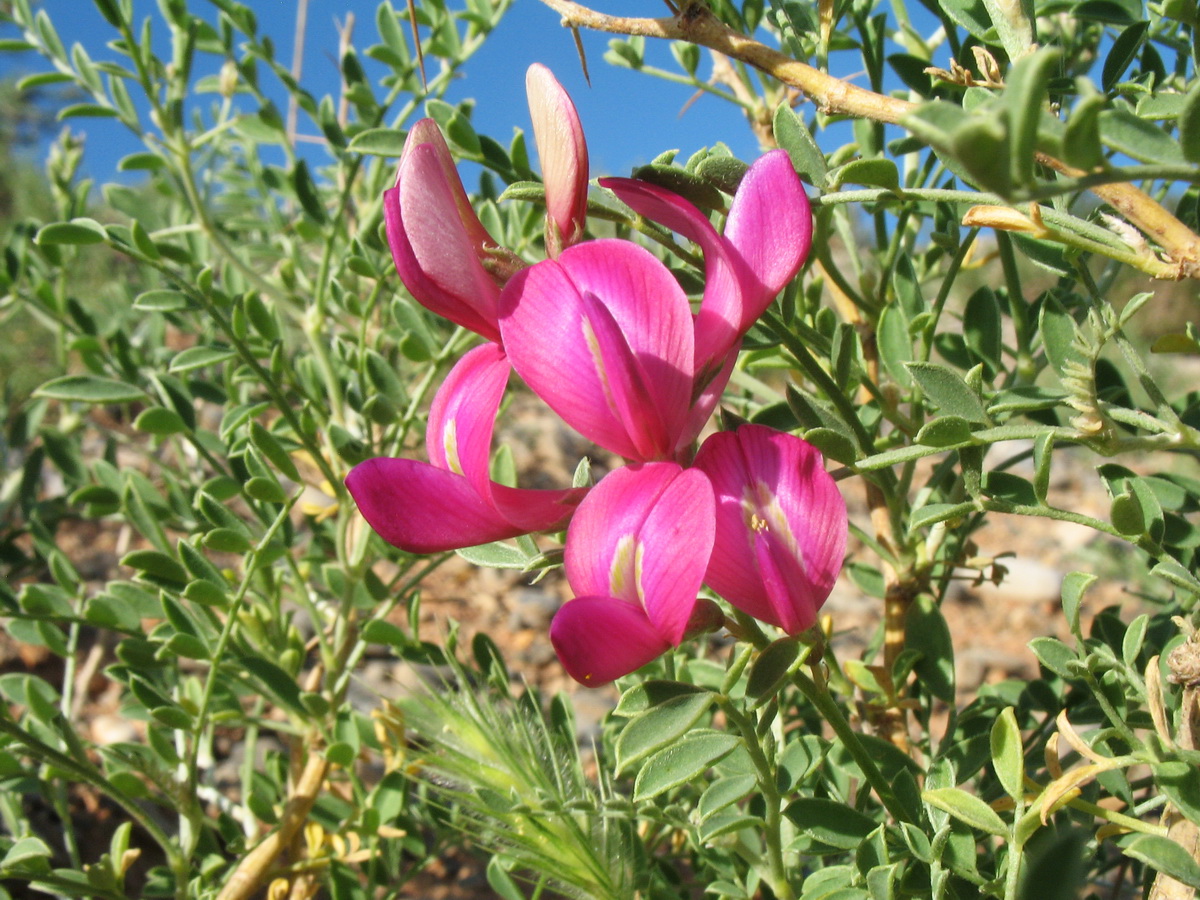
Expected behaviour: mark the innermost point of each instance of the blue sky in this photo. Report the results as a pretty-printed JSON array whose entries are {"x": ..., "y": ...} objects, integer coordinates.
[{"x": 629, "y": 118}]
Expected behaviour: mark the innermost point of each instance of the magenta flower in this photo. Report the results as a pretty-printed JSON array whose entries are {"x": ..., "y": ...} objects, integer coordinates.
[
  {"x": 451, "y": 502},
  {"x": 767, "y": 236},
  {"x": 564, "y": 157},
  {"x": 636, "y": 553},
  {"x": 443, "y": 254},
  {"x": 781, "y": 525},
  {"x": 603, "y": 334}
]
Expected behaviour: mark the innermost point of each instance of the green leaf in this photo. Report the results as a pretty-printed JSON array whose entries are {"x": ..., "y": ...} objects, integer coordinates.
[
  {"x": 966, "y": 808},
  {"x": 157, "y": 564},
  {"x": 947, "y": 390},
  {"x": 89, "y": 389},
  {"x": 455, "y": 126},
  {"x": 972, "y": 16},
  {"x": 833, "y": 445},
  {"x": 24, "y": 851},
  {"x": 1127, "y": 515},
  {"x": 268, "y": 444},
  {"x": 799, "y": 759},
  {"x": 830, "y": 822},
  {"x": 794, "y": 137},
  {"x": 496, "y": 555},
  {"x": 174, "y": 717},
  {"x": 161, "y": 301},
  {"x": 1054, "y": 655},
  {"x": 501, "y": 882},
  {"x": 1177, "y": 575},
  {"x": 159, "y": 420},
  {"x": 679, "y": 763},
  {"x": 642, "y": 697},
  {"x": 932, "y": 513},
  {"x": 658, "y": 726},
  {"x": 1135, "y": 637},
  {"x": 206, "y": 593},
  {"x": 1058, "y": 336},
  {"x": 880, "y": 173},
  {"x": 198, "y": 357},
  {"x": 1189, "y": 125},
  {"x": 379, "y": 142},
  {"x": 724, "y": 792},
  {"x": 982, "y": 330},
  {"x": 770, "y": 667},
  {"x": 1081, "y": 137},
  {"x": 227, "y": 540},
  {"x": 77, "y": 231},
  {"x": 1009, "y": 487},
  {"x": 1166, "y": 856},
  {"x": 1007, "y": 753},
  {"x": 306, "y": 191},
  {"x": 926, "y": 632},
  {"x": 947, "y": 431},
  {"x": 895, "y": 344},
  {"x": 266, "y": 490},
  {"x": 281, "y": 686},
  {"x": 1024, "y": 101},
  {"x": 86, "y": 111},
  {"x": 981, "y": 146},
  {"x": 1123, "y": 131},
  {"x": 1124, "y": 51},
  {"x": 1180, "y": 782},
  {"x": 1074, "y": 585}
]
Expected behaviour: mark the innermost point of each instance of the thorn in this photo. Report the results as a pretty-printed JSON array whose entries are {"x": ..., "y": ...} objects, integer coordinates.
[
  {"x": 412, "y": 21},
  {"x": 582, "y": 55}
]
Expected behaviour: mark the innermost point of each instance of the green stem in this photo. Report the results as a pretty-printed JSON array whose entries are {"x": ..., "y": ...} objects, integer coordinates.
[
  {"x": 768, "y": 785},
  {"x": 47, "y": 754},
  {"x": 231, "y": 619},
  {"x": 819, "y": 377},
  {"x": 1017, "y": 309},
  {"x": 820, "y": 698}
]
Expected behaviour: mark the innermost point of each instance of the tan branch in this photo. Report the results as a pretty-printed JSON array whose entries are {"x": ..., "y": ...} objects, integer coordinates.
[
  {"x": 697, "y": 25},
  {"x": 255, "y": 865}
]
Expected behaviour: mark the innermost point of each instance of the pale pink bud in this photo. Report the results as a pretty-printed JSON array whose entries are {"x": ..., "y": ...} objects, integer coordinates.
[{"x": 563, "y": 154}]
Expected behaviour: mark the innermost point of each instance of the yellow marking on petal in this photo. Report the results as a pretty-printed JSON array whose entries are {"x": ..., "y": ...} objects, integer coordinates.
[
  {"x": 593, "y": 345},
  {"x": 624, "y": 574},
  {"x": 762, "y": 512},
  {"x": 450, "y": 447}
]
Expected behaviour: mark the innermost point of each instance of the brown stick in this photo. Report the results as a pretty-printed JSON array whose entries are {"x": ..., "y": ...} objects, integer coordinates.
[
  {"x": 253, "y": 869},
  {"x": 697, "y": 25}
]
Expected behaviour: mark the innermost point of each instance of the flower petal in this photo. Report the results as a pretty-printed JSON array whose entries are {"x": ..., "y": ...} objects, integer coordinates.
[
  {"x": 424, "y": 509},
  {"x": 563, "y": 153},
  {"x": 644, "y": 535},
  {"x": 719, "y": 322},
  {"x": 677, "y": 538},
  {"x": 594, "y": 559},
  {"x": 551, "y": 340},
  {"x": 435, "y": 255},
  {"x": 426, "y": 131},
  {"x": 770, "y": 225},
  {"x": 781, "y": 525},
  {"x": 459, "y": 439},
  {"x": 599, "y": 639},
  {"x": 458, "y": 436}
]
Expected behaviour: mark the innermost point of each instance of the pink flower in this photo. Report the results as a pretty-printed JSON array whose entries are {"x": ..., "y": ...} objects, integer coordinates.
[
  {"x": 603, "y": 334},
  {"x": 451, "y": 502},
  {"x": 767, "y": 236},
  {"x": 781, "y": 525},
  {"x": 636, "y": 553},
  {"x": 442, "y": 252},
  {"x": 564, "y": 157}
]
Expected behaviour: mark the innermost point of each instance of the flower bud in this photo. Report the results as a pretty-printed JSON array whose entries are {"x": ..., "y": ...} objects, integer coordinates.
[{"x": 563, "y": 154}]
